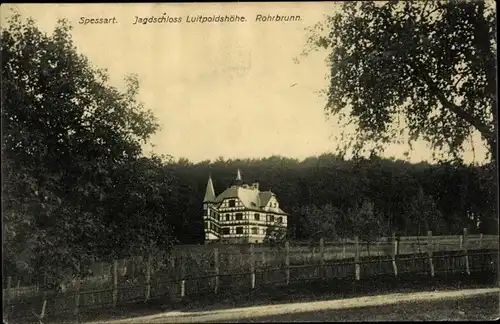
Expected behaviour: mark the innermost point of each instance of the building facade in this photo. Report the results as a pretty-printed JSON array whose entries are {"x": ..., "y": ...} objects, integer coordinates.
[{"x": 241, "y": 213}]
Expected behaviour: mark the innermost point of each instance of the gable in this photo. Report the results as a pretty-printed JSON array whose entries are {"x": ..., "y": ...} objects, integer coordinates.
[{"x": 248, "y": 198}]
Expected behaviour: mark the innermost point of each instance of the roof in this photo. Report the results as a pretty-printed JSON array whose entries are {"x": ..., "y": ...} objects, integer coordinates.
[
  {"x": 251, "y": 197},
  {"x": 265, "y": 196},
  {"x": 209, "y": 192}
]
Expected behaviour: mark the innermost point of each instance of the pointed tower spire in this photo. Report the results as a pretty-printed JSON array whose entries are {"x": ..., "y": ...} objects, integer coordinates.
[
  {"x": 209, "y": 192},
  {"x": 239, "y": 181}
]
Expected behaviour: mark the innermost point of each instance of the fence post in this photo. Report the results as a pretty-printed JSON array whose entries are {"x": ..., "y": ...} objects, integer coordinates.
[
  {"x": 429, "y": 246},
  {"x": 481, "y": 240},
  {"x": 263, "y": 266},
  {"x": 114, "y": 276},
  {"x": 394, "y": 253},
  {"x": 467, "y": 269},
  {"x": 461, "y": 242},
  {"x": 217, "y": 270},
  {"x": 8, "y": 291},
  {"x": 356, "y": 257},
  {"x": 398, "y": 241},
  {"x": 44, "y": 304},
  {"x": 252, "y": 267},
  {"x": 183, "y": 274},
  {"x": 172, "y": 274},
  {"x": 7, "y": 296},
  {"x": 147, "y": 291},
  {"x": 77, "y": 296},
  {"x": 322, "y": 257},
  {"x": 287, "y": 262},
  {"x": 343, "y": 248}
]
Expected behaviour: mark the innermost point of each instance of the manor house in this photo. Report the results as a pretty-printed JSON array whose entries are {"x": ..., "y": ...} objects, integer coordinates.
[{"x": 241, "y": 213}]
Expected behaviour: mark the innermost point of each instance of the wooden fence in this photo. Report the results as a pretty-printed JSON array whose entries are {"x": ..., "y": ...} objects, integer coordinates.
[{"x": 215, "y": 268}]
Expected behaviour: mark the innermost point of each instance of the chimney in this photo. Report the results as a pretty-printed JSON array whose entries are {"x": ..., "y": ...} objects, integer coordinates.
[{"x": 255, "y": 185}]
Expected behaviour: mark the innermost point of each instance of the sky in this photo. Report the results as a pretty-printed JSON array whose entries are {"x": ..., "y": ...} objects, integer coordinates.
[{"x": 230, "y": 89}]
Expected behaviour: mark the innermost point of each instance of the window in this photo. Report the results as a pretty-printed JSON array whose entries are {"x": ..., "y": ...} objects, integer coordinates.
[
  {"x": 228, "y": 217},
  {"x": 232, "y": 203},
  {"x": 206, "y": 225},
  {"x": 271, "y": 218},
  {"x": 255, "y": 230},
  {"x": 257, "y": 216},
  {"x": 205, "y": 212},
  {"x": 239, "y": 216},
  {"x": 239, "y": 230},
  {"x": 279, "y": 219},
  {"x": 264, "y": 231},
  {"x": 225, "y": 230}
]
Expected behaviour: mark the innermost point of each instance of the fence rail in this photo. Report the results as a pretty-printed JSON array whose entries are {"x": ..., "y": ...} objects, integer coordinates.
[{"x": 215, "y": 268}]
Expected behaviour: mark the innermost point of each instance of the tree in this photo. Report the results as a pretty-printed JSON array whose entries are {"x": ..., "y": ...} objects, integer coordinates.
[
  {"x": 141, "y": 218},
  {"x": 428, "y": 67},
  {"x": 318, "y": 222},
  {"x": 366, "y": 223},
  {"x": 423, "y": 215},
  {"x": 66, "y": 137},
  {"x": 275, "y": 235}
]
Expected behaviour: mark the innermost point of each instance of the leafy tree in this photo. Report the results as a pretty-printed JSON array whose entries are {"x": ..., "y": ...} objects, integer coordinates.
[
  {"x": 428, "y": 67},
  {"x": 424, "y": 216},
  {"x": 366, "y": 223},
  {"x": 275, "y": 235},
  {"x": 141, "y": 218},
  {"x": 318, "y": 222},
  {"x": 66, "y": 135}
]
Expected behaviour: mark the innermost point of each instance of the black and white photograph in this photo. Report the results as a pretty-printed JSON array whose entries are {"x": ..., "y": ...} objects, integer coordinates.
[{"x": 249, "y": 162}]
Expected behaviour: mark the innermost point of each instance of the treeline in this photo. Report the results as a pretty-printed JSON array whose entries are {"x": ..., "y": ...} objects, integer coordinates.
[{"x": 330, "y": 196}]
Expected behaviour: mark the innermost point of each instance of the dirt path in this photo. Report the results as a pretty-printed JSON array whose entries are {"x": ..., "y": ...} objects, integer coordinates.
[{"x": 292, "y": 308}]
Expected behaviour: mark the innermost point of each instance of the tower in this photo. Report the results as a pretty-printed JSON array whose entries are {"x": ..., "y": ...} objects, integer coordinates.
[
  {"x": 209, "y": 192},
  {"x": 238, "y": 180},
  {"x": 209, "y": 199},
  {"x": 210, "y": 216}
]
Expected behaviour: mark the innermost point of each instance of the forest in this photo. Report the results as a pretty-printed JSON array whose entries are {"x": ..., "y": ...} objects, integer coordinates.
[{"x": 332, "y": 197}]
